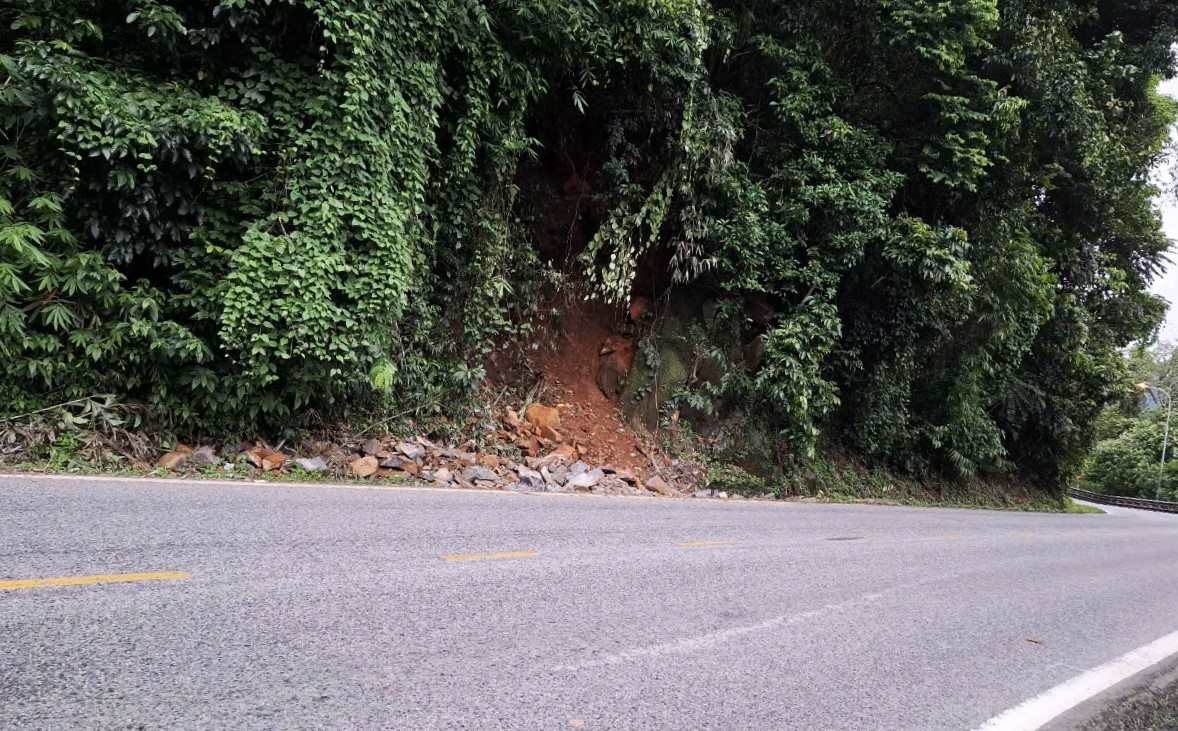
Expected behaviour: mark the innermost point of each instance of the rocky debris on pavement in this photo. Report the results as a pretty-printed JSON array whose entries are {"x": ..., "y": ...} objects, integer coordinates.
[
  {"x": 659, "y": 485},
  {"x": 585, "y": 479},
  {"x": 524, "y": 453},
  {"x": 479, "y": 474},
  {"x": 614, "y": 485},
  {"x": 529, "y": 479}
]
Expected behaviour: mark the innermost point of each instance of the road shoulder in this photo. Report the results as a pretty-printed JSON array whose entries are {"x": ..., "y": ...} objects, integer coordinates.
[{"x": 1147, "y": 701}]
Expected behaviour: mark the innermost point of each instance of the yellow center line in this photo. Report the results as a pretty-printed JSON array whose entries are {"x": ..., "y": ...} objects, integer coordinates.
[
  {"x": 493, "y": 556},
  {"x": 705, "y": 544},
  {"x": 14, "y": 584}
]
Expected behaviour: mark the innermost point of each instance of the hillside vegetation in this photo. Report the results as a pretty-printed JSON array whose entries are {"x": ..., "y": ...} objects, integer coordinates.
[
  {"x": 1126, "y": 459},
  {"x": 915, "y": 231}
]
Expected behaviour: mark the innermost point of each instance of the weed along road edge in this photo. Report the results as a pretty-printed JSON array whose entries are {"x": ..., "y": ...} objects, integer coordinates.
[{"x": 217, "y": 605}]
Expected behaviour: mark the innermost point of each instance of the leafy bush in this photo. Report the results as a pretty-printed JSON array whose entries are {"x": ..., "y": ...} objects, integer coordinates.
[{"x": 1129, "y": 465}]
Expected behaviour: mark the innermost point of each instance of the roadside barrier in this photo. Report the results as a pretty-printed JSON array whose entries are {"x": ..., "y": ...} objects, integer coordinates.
[{"x": 1125, "y": 502}]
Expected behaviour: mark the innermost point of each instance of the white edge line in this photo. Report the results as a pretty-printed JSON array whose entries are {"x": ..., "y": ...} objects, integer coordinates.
[
  {"x": 1037, "y": 711},
  {"x": 228, "y": 482}
]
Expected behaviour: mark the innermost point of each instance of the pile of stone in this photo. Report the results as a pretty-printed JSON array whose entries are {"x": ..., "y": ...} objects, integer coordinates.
[
  {"x": 560, "y": 470},
  {"x": 547, "y": 462}
]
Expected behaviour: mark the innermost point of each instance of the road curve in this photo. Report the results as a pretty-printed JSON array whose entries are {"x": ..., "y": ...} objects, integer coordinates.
[{"x": 301, "y": 607}]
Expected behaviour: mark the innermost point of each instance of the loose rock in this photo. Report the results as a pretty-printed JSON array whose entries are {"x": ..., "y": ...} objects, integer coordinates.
[
  {"x": 543, "y": 416},
  {"x": 411, "y": 450},
  {"x": 612, "y": 485},
  {"x": 659, "y": 485},
  {"x": 204, "y": 456},
  {"x": 372, "y": 447},
  {"x": 554, "y": 477},
  {"x": 365, "y": 466},
  {"x": 511, "y": 418},
  {"x": 624, "y": 475},
  {"x": 529, "y": 479},
  {"x": 313, "y": 464},
  {"x": 563, "y": 452},
  {"x": 458, "y": 455},
  {"x": 273, "y": 461},
  {"x": 265, "y": 459},
  {"x": 173, "y": 460},
  {"x": 585, "y": 480},
  {"x": 475, "y": 474},
  {"x": 529, "y": 445}
]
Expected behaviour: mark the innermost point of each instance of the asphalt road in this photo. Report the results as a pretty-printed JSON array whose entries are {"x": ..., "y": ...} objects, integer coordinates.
[{"x": 309, "y": 607}]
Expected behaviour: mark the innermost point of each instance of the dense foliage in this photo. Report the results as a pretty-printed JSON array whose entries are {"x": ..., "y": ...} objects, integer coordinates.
[
  {"x": 236, "y": 212},
  {"x": 1131, "y": 432},
  {"x": 1129, "y": 464}
]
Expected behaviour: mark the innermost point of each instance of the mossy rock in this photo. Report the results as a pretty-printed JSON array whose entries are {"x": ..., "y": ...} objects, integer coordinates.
[{"x": 647, "y": 389}]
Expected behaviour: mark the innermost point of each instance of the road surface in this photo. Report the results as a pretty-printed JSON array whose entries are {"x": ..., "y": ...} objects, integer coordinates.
[{"x": 239, "y": 606}]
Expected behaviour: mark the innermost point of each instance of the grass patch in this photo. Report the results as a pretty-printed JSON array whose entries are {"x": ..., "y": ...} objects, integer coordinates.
[
  {"x": 1152, "y": 708},
  {"x": 1074, "y": 507},
  {"x": 841, "y": 479}
]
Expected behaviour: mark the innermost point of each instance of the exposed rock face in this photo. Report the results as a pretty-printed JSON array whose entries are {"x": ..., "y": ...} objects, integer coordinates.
[
  {"x": 614, "y": 363},
  {"x": 651, "y": 382}
]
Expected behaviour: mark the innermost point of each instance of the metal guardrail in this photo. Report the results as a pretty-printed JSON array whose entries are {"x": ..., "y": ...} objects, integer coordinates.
[{"x": 1125, "y": 502}]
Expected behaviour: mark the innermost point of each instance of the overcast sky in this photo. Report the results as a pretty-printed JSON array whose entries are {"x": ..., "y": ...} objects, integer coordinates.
[{"x": 1167, "y": 284}]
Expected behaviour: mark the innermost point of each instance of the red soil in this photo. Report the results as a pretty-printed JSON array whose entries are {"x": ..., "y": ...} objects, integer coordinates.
[{"x": 588, "y": 418}]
